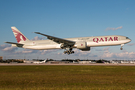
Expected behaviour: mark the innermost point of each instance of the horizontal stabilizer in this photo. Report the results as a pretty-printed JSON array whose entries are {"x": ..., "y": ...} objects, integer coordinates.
[
  {"x": 17, "y": 44},
  {"x": 14, "y": 43}
]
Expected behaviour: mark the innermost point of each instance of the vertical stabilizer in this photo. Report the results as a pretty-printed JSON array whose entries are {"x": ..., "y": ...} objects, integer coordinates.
[{"x": 18, "y": 35}]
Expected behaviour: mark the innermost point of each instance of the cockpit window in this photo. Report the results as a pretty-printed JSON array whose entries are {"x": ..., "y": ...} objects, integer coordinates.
[{"x": 127, "y": 38}]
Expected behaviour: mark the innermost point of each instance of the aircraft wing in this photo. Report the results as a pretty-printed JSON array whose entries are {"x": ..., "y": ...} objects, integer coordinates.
[{"x": 58, "y": 40}]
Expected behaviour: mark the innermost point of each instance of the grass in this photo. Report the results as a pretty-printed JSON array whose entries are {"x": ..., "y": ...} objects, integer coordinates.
[{"x": 67, "y": 77}]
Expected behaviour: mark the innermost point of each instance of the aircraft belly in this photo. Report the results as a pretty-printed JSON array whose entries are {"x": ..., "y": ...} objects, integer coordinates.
[{"x": 42, "y": 47}]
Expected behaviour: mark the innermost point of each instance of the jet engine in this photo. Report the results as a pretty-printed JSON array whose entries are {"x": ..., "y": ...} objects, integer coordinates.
[{"x": 82, "y": 46}]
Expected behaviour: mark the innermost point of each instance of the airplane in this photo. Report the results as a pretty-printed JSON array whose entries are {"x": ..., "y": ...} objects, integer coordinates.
[
  {"x": 39, "y": 62},
  {"x": 36, "y": 62},
  {"x": 82, "y": 43}
]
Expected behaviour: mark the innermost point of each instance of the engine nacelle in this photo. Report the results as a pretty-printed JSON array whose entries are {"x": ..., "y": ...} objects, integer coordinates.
[
  {"x": 82, "y": 46},
  {"x": 86, "y": 49}
]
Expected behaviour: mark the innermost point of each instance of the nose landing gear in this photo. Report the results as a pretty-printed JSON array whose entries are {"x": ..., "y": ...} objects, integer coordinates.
[{"x": 121, "y": 46}]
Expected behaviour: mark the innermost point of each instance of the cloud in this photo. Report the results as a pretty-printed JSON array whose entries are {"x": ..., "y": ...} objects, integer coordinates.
[
  {"x": 24, "y": 51},
  {"x": 38, "y": 38},
  {"x": 105, "y": 53},
  {"x": 106, "y": 49},
  {"x": 10, "y": 49},
  {"x": 27, "y": 51},
  {"x": 109, "y": 28},
  {"x": 43, "y": 52},
  {"x": 131, "y": 44},
  {"x": 122, "y": 55},
  {"x": 81, "y": 53},
  {"x": 98, "y": 50},
  {"x": 103, "y": 49},
  {"x": 4, "y": 46},
  {"x": 7, "y": 48}
]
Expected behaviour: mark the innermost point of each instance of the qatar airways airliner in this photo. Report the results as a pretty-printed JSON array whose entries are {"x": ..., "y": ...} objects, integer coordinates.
[{"x": 82, "y": 43}]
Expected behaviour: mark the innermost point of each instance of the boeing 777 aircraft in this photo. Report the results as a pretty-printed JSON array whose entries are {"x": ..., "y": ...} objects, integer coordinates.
[{"x": 82, "y": 43}]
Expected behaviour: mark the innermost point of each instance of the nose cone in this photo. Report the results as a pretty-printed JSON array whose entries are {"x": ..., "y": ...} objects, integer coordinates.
[{"x": 129, "y": 40}]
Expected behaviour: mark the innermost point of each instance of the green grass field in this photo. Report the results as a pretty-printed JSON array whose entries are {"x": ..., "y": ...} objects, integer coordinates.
[{"x": 67, "y": 77}]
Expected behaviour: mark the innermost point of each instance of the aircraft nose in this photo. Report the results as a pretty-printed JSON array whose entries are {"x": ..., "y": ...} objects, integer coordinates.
[{"x": 128, "y": 39}]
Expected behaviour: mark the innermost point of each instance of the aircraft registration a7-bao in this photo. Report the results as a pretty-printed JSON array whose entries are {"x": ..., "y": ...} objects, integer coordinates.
[{"x": 82, "y": 43}]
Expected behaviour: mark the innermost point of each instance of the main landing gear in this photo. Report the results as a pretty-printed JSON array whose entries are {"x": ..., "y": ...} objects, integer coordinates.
[
  {"x": 121, "y": 46},
  {"x": 68, "y": 51}
]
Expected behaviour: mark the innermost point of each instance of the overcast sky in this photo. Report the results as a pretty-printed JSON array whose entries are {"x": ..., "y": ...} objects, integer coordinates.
[{"x": 68, "y": 19}]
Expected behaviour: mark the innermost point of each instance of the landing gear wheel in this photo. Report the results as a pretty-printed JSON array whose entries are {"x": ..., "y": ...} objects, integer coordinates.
[
  {"x": 68, "y": 51},
  {"x": 121, "y": 48},
  {"x": 72, "y": 52},
  {"x": 65, "y": 52}
]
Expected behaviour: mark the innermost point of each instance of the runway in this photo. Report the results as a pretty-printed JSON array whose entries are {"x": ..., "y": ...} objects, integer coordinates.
[{"x": 93, "y": 64}]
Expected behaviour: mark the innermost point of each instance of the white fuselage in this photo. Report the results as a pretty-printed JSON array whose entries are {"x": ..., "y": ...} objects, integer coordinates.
[{"x": 90, "y": 41}]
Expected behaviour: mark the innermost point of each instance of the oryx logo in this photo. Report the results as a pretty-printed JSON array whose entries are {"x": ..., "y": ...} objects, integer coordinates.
[{"x": 19, "y": 37}]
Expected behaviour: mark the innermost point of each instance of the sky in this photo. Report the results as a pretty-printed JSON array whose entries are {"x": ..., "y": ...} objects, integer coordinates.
[{"x": 68, "y": 19}]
